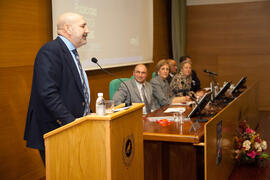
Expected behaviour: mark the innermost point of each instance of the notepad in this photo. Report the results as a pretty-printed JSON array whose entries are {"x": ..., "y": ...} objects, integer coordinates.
[
  {"x": 120, "y": 109},
  {"x": 184, "y": 103},
  {"x": 169, "y": 118},
  {"x": 170, "y": 110}
]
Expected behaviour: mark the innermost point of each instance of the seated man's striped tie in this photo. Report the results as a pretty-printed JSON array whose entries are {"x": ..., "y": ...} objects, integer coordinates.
[{"x": 147, "y": 105}]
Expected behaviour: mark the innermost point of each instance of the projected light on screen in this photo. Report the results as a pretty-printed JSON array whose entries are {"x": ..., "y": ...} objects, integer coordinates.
[{"x": 121, "y": 31}]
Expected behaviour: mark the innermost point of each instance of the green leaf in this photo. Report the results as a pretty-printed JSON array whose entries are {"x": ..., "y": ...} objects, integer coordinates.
[{"x": 265, "y": 155}]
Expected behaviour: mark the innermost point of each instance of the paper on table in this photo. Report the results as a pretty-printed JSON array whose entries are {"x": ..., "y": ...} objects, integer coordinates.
[
  {"x": 169, "y": 118},
  {"x": 120, "y": 109},
  {"x": 184, "y": 104},
  {"x": 169, "y": 110}
]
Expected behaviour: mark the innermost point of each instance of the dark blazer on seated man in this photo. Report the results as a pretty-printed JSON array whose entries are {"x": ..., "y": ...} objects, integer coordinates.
[
  {"x": 57, "y": 96},
  {"x": 134, "y": 86},
  {"x": 173, "y": 70}
]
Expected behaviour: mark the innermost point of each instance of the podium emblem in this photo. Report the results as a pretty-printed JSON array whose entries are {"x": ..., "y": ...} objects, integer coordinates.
[{"x": 128, "y": 149}]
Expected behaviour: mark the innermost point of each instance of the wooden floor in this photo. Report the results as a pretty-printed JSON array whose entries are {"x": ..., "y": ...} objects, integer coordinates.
[{"x": 253, "y": 172}]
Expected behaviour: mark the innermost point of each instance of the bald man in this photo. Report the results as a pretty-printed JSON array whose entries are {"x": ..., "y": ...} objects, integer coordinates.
[
  {"x": 60, "y": 91},
  {"x": 140, "y": 90}
]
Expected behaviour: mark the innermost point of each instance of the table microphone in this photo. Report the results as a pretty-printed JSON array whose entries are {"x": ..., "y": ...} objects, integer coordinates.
[
  {"x": 209, "y": 72},
  {"x": 127, "y": 104}
]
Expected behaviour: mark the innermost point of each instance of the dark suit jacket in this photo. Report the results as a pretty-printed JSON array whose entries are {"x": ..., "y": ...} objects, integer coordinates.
[
  {"x": 169, "y": 78},
  {"x": 195, "y": 84},
  {"x": 56, "y": 96}
]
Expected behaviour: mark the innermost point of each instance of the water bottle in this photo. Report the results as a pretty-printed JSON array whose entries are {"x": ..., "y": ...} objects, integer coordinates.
[{"x": 100, "y": 105}]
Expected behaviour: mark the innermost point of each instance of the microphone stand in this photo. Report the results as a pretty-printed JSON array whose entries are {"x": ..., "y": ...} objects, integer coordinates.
[
  {"x": 127, "y": 104},
  {"x": 212, "y": 86},
  {"x": 213, "y": 83}
]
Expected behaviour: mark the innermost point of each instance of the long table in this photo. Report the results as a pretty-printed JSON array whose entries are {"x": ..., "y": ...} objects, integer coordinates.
[{"x": 177, "y": 152}]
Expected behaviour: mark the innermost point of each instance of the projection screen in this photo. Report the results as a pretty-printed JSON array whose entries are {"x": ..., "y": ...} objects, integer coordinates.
[{"x": 121, "y": 31}]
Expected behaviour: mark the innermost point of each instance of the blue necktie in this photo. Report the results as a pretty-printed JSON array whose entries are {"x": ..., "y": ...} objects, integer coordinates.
[{"x": 85, "y": 91}]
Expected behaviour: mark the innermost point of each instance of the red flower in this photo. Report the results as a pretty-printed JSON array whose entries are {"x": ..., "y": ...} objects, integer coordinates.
[
  {"x": 249, "y": 130},
  {"x": 245, "y": 133},
  {"x": 258, "y": 139},
  {"x": 252, "y": 154}
]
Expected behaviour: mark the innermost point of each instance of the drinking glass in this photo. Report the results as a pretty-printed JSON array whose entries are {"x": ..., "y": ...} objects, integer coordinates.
[
  {"x": 181, "y": 110},
  {"x": 176, "y": 116},
  {"x": 109, "y": 104}
]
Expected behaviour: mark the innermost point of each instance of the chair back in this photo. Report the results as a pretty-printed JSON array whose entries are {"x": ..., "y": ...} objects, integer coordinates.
[
  {"x": 153, "y": 74},
  {"x": 114, "y": 85}
]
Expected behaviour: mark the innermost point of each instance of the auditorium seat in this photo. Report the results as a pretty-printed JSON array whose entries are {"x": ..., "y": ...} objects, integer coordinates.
[{"x": 114, "y": 85}]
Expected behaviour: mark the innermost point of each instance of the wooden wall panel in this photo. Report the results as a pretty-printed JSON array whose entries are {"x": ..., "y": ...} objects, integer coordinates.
[
  {"x": 255, "y": 67},
  {"x": 209, "y": 63},
  {"x": 16, "y": 161},
  {"x": 24, "y": 27},
  {"x": 231, "y": 30}
]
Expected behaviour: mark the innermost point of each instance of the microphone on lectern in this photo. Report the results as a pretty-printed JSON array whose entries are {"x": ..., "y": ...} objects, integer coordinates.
[
  {"x": 127, "y": 104},
  {"x": 94, "y": 60}
]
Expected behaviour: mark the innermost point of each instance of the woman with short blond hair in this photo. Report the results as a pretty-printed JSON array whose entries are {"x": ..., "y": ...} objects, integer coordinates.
[{"x": 162, "y": 94}]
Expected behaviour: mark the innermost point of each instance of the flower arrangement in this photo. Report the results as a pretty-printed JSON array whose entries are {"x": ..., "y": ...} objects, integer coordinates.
[{"x": 249, "y": 147}]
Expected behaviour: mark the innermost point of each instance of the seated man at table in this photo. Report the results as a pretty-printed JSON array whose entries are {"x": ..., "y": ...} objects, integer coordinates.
[
  {"x": 140, "y": 90},
  {"x": 173, "y": 70}
]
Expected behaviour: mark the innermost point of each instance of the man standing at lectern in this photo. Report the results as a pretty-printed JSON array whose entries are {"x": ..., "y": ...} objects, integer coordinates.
[{"x": 60, "y": 91}]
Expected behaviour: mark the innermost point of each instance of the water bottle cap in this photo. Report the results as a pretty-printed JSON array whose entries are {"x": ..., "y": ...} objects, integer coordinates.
[{"x": 100, "y": 94}]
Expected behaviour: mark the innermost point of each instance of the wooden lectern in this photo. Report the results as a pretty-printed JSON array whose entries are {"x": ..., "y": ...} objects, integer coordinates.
[{"x": 97, "y": 147}]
